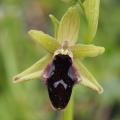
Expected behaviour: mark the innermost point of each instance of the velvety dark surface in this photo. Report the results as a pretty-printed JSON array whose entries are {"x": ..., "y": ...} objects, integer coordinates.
[{"x": 60, "y": 82}]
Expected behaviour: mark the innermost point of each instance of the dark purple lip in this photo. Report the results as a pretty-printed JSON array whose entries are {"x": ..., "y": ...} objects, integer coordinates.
[{"x": 61, "y": 77}]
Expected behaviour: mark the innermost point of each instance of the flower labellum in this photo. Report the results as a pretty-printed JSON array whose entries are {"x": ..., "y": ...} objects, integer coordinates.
[{"x": 60, "y": 76}]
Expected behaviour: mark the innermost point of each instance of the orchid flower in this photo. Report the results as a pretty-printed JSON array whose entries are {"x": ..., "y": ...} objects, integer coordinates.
[{"x": 63, "y": 61}]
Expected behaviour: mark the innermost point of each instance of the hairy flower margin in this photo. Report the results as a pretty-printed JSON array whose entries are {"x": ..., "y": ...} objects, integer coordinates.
[{"x": 65, "y": 30}]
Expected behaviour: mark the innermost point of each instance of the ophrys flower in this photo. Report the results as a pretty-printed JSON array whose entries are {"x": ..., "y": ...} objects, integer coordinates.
[{"x": 61, "y": 69}]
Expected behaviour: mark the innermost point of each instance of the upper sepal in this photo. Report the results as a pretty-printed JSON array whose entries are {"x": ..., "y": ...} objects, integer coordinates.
[{"x": 69, "y": 27}]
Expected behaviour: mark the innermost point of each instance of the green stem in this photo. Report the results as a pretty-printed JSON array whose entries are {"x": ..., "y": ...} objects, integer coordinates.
[
  {"x": 68, "y": 113},
  {"x": 81, "y": 4}
]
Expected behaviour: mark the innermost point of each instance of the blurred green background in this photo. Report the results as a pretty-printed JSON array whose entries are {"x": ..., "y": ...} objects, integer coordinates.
[{"x": 29, "y": 100}]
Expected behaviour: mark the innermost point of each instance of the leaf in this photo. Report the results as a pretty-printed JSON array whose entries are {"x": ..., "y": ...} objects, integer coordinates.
[
  {"x": 91, "y": 8},
  {"x": 44, "y": 40},
  {"x": 69, "y": 27},
  {"x": 34, "y": 71},
  {"x": 87, "y": 79},
  {"x": 81, "y": 51}
]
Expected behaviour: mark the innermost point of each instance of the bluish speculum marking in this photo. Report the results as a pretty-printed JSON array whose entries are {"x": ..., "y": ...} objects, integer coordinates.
[{"x": 60, "y": 81}]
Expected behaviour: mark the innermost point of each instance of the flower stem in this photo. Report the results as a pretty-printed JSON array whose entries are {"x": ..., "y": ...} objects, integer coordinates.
[
  {"x": 81, "y": 4},
  {"x": 68, "y": 113}
]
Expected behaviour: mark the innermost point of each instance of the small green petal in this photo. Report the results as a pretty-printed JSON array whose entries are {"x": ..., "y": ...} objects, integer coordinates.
[
  {"x": 32, "y": 72},
  {"x": 91, "y": 8},
  {"x": 87, "y": 79},
  {"x": 81, "y": 51},
  {"x": 69, "y": 27},
  {"x": 48, "y": 43},
  {"x": 56, "y": 24}
]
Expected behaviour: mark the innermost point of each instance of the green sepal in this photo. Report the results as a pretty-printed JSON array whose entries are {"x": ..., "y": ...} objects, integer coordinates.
[
  {"x": 47, "y": 42},
  {"x": 91, "y": 8},
  {"x": 32, "y": 76},
  {"x": 33, "y": 71},
  {"x": 81, "y": 51},
  {"x": 87, "y": 79},
  {"x": 69, "y": 27},
  {"x": 56, "y": 25}
]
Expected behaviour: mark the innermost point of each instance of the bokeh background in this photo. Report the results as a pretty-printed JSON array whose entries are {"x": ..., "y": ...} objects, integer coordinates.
[{"x": 29, "y": 100}]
